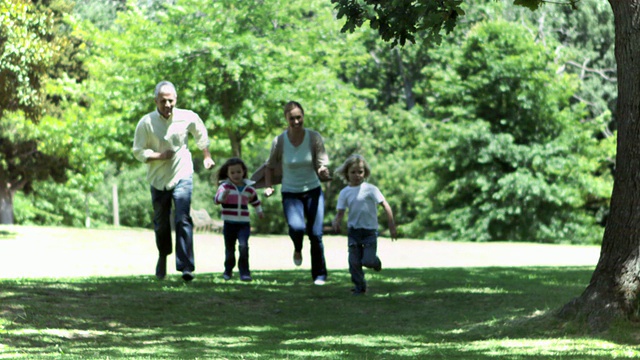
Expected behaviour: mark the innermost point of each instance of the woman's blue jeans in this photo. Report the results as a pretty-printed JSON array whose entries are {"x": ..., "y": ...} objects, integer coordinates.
[
  {"x": 309, "y": 205},
  {"x": 363, "y": 247},
  {"x": 181, "y": 198},
  {"x": 241, "y": 233}
]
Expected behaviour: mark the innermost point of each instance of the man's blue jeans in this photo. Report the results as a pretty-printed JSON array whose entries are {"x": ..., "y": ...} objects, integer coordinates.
[
  {"x": 309, "y": 205},
  {"x": 363, "y": 246},
  {"x": 181, "y": 197}
]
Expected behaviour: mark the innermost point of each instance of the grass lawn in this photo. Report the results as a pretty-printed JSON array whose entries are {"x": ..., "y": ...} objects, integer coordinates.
[{"x": 476, "y": 312}]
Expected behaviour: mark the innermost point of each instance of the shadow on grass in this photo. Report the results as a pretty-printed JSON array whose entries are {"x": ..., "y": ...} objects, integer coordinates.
[{"x": 452, "y": 313}]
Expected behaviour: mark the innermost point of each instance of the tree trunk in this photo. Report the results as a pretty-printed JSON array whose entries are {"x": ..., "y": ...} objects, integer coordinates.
[
  {"x": 236, "y": 143},
  {"x": 116, "y": 204},
  {"x": 615, "y": 283},
  {"x": 410, "y": 100},
  {"x": 6, "y": 206}
]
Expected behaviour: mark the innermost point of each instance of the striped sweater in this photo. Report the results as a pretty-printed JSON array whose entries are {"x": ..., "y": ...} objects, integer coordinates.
[{"x": 235, "y": 208}]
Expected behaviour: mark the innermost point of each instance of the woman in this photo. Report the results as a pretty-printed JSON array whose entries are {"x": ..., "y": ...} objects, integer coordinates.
[{"x": 299, "y": 155}]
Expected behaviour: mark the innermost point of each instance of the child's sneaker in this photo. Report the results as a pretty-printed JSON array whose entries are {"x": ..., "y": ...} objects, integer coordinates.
[
  {"x": 245, "y": 278},
  {"x": 226, "y": 276}
]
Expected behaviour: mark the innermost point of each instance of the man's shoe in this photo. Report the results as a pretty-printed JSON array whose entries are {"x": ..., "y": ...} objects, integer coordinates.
[
  {"x": 161, "y": 268},
  {"x": 320, "y": 280},
  {"x": 245, "y": 278},
  {"x": 379, "y": 267},
  {"x": 187, "y": 276},
  {"x": 297, "y": 258},
  {"x": 358, "y": 291},
  {"x": 226, "y": 276}
]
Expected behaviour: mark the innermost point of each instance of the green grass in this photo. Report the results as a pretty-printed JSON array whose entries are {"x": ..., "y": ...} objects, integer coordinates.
[
  {"x": 6, "y": 234},
  {"x": 446, "y": 313}
]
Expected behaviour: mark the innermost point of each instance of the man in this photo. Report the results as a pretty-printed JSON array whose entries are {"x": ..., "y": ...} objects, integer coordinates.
[{"x": 161, "y": 142}]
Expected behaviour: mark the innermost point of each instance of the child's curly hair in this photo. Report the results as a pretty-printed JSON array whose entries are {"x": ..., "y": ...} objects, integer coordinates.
[
  {"x": 343, "y": 170},
  {"x": 224, "y": 169}
]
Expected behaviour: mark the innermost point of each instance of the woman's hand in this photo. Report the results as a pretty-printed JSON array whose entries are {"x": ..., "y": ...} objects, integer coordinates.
[
  {"x": 268, "y": 191},
  {"x": 323, "y": 173}
]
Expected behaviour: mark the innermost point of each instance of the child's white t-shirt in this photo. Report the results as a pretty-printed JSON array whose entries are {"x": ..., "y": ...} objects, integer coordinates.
[{"x": 362, "y": 202}]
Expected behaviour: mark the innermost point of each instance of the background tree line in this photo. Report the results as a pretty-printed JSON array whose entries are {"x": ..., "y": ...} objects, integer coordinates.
[{"x": 504, "y": 131}]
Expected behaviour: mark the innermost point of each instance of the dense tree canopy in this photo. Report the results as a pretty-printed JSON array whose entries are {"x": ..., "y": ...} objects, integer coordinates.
[
  {"x": 233, "y": 62},
  {"x": 410, "y": 110},
  {"x": 506, "y": 157}
]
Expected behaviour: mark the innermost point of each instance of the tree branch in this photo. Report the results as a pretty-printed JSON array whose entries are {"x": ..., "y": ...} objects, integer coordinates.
[
  {"x": 17, "y": 186},
  {"x": 601, "y": 72}
]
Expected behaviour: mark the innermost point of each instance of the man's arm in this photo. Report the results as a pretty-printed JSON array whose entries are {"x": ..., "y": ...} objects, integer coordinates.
[
  {"x": 208, "y": 161},
  {"x": 200, "y": 133},
  {"x": 166, "y": 155}
]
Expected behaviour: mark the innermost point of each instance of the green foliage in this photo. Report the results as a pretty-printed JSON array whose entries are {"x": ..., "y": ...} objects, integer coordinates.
[
  {"x": 101, "y": 13},
  {"x": 234, "y": 63},
  {"x": 398, "y": 21},
  {"x": 58, "y": 205},
  {"x": 22, "y": 160},
  {"x": 486, "y": 112},
  {"x": 536, "y": 4},
  {"x": 76, "y": 140},
  {"x": 586, "y": 35},
  {"x": 273, "y": 221},
  {"x": 507, "y": 156},
  {"x": 25, "y": 52},
  {"x": 513, "y": 161},
  {"x": 24, "y": 55},
  {"x": 134, "y": 197},
  {"x": 40, "y": 69}
]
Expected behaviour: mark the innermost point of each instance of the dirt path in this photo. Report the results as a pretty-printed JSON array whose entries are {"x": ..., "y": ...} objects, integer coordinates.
[{"x": 68, "y": 252}]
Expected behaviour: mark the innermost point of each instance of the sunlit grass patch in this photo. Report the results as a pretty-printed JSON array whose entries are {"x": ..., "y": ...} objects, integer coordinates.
[
  {"x": 452, "y": 313},
  {"x": 470, "y": 290},
  {"x": 553, "y": 347}
]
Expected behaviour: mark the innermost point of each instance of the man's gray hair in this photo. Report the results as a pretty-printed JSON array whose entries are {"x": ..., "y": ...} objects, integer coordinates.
[{"x": 162, "y": 84}]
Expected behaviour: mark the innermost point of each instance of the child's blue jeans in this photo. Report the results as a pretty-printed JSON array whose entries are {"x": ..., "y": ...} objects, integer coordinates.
[
  {"x": 363, "y": 247},
  {"x": 233, "y": 232}
]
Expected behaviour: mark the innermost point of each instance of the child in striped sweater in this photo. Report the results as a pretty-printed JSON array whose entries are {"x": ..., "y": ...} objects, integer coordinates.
[{"x": 235, "y": 193}]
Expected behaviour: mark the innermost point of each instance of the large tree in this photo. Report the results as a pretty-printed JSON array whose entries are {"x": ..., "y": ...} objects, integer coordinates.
[
  {"x": 614, "y": 289},
  {"x": 28, "y": 47}
]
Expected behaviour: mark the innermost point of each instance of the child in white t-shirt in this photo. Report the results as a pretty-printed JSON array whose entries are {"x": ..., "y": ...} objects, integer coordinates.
[{"x": 362, "y": 199}]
